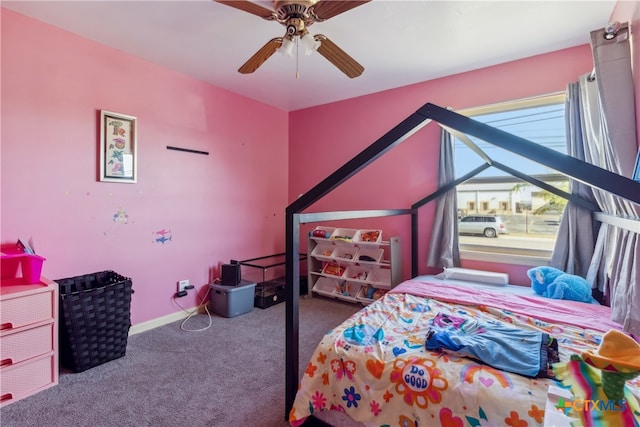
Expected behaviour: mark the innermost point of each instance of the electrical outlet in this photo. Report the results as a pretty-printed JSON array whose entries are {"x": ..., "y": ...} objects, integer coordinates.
[{"x": 183, "y": 285}]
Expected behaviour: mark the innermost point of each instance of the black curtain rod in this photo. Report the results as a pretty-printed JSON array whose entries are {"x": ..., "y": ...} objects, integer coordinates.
[{"x": 188, "y": 150}]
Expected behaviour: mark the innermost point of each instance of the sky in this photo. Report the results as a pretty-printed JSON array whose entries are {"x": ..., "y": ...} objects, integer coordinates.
[{"x": 543, "y": 125}]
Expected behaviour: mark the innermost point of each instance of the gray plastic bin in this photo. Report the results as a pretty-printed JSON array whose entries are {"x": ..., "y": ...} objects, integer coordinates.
[{"x": 231, "y": 301}]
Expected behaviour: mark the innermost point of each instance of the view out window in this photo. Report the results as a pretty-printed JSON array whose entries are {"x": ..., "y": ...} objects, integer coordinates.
[{"x": 511, "y": 215}]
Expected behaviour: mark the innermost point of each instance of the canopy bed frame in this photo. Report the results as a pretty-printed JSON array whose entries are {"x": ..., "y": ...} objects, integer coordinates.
[{"x": 572, "y": 167}]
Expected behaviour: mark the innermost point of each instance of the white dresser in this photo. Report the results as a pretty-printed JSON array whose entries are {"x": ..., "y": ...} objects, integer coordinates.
[{"x": 28, "y": 339}]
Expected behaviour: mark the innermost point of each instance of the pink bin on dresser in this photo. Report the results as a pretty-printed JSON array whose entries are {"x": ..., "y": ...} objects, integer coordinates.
[{"x": 19, "y": 268}]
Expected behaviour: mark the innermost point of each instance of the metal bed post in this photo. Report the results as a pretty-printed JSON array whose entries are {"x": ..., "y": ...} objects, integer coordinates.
[
  {"x": 396, "y": 135},
  {"x": 292, "y": 300},
  {"x": 414, "y": 243}
]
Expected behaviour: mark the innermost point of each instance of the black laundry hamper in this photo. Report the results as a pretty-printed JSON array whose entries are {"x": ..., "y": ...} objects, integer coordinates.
[{"x": 94, "y": 321}]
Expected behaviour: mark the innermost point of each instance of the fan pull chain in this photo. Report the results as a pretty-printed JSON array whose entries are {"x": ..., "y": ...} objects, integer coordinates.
[{"x": 297, "y": 58}]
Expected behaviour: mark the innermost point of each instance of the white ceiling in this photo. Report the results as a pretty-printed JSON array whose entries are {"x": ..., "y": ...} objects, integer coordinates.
[{"x": 398, "y": 42}]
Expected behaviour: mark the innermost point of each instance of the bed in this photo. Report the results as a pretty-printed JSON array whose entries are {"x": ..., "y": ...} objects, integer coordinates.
[
  {"x": 374, "y": 366},
  {"x": 524, "y": 399}
]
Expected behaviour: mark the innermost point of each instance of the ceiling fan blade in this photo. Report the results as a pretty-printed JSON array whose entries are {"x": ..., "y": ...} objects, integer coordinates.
[
  {"x": 326, "y": 9},
  {"x": 249, "y": 7},
  {"x": 338, "y": 57},
  {"x": 261, "y": 56}
]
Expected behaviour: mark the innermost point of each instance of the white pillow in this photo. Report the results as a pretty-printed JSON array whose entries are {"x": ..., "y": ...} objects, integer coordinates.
[{"x": 470, "y": 275}]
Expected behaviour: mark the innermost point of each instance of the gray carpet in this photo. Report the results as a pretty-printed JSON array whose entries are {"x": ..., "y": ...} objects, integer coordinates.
[{"x": 231, "y": 374}]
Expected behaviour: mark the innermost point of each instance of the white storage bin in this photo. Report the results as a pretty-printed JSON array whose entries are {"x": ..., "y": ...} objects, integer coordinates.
[
  {"x": 345, "y": 253},
  {"x": 368, "y": 236},
  {"x": 320, "y": 232},
  {"x": 368, "y": 294},
  {"x": 323, "y": 251},
  {"x": 347, "y": 290},
  {"x": 370, "y": 255},
  {"x": 356, "y": 273},
  {"x": 325, "y": 286},
  {"x": 333, "y": 269},
  {"x": 380, "y": 276},
  {"x": 343, "y": 235}
]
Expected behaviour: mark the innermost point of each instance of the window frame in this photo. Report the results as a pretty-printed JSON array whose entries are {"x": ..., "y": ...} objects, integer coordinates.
[{"x": 509, "y": 255}]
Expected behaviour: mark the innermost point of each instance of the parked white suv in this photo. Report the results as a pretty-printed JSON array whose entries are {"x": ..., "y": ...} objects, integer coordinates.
[{"x": 487, "y": 225}]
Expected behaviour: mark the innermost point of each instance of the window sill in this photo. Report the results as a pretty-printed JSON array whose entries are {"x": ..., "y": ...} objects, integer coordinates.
[{"x": 516, "y": 256}]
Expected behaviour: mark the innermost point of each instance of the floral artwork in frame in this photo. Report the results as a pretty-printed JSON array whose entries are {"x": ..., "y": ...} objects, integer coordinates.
[{"x": 118, "y": 147}]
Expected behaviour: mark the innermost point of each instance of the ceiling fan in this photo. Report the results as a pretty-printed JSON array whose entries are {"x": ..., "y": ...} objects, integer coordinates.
[{"x": 297, "y": 16}]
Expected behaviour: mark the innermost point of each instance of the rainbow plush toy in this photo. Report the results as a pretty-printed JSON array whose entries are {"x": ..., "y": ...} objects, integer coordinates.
[
  {"x": 618, "y": 357},
  {"x": 599, "y": 377}
]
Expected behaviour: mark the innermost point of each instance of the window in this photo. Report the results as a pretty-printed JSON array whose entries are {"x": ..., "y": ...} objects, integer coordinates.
[{"x": 529, "y": 216}]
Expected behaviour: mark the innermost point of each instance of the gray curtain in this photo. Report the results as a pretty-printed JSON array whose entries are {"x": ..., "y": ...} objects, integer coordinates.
[
  {"x": 606, "y": 129},
  {"x": 621, "y": 247},
  {"x": 575, "y": 242},
  {"x": 443, "y": 248}
]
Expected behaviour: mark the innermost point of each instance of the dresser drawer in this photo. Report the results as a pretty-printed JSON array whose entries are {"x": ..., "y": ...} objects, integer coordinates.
[
  {"x": 23, "y": 310},
  {"x": 27, "y": 378},
  {"x": 17, "y": 347}
]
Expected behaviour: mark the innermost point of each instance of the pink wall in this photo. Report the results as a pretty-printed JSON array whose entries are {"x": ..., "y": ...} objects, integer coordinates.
[
  {"x": 229, "y": 204},
  {"x": 323, "y": 138}
]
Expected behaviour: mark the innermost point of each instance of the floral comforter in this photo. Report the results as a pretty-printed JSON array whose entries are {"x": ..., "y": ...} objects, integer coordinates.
[{"x": 376, "y": 369}]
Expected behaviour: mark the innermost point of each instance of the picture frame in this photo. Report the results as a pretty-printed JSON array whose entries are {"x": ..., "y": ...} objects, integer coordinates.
[
  {"x": 118, "y": 147},
  {"x": 636, "y": 169}
]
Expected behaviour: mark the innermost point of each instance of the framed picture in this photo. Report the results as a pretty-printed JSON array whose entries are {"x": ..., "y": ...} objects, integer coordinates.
[
  {"x": 118, "y": 147},
  {"x": 636, "y": 169}
]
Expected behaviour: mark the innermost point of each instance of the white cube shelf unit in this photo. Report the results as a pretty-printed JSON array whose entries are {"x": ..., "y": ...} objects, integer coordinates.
[{"x": 354, "y": 265}]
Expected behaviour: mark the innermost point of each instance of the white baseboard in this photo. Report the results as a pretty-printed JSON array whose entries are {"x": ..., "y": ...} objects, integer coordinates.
[
  {"x": 160, "y": 321},
  {"x": 169, "y": 318}
]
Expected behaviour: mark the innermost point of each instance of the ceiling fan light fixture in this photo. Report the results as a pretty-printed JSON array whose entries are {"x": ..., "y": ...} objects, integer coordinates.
[
  {"x": 309, "y": 44},
  {"x": 296, "y": 16},
  {"x": 287, "y": 47}
]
